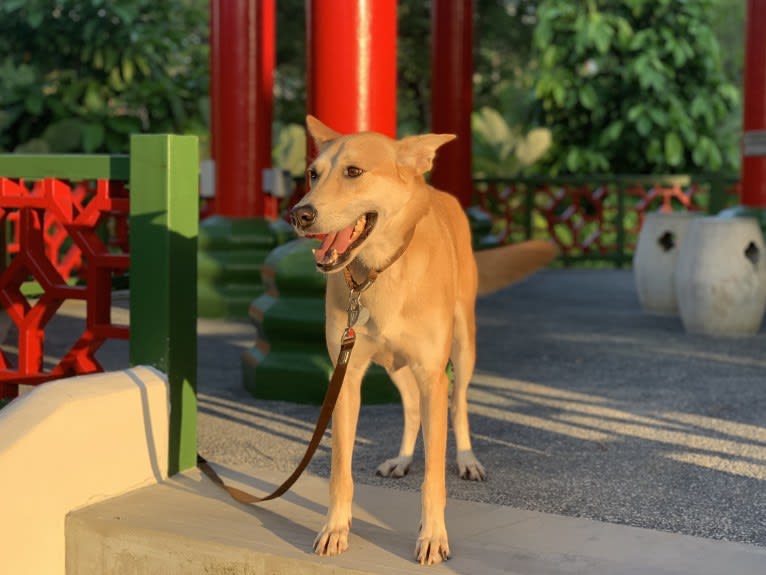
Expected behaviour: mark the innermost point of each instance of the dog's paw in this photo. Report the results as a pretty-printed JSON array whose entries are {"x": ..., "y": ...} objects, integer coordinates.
[
  {"x": 331, "y": 540},
  {"x": 395, "y": 467},
  {"x": 468, "y": 467},
  {"x": 432, "y": 548}
]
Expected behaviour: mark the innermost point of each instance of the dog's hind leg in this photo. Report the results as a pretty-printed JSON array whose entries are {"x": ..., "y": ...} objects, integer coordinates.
[
  {"x": 463, "y": 356},
  {"x": 407, "y": 385}
]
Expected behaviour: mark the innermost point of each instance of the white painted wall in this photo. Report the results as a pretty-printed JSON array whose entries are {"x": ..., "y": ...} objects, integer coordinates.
[{"x": 71, "y": 443}]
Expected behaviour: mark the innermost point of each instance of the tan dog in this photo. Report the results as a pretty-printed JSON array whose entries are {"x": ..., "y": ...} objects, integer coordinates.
[{"x": 376, "y": 216}]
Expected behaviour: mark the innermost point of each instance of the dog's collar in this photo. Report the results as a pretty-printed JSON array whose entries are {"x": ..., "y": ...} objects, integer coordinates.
[{"x": 372, "y": 275}]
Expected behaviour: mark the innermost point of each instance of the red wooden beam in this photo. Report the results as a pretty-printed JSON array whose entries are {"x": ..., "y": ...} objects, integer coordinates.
[
  {"x": 242, "y": 68},
  {"x": 351, "y": 64},
  {"x": 754, "y": 120},
  {"x": 452, "y": 94}
]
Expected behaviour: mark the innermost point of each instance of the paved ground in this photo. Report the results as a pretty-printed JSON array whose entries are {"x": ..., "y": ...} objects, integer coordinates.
[{"x": 582, "y": 406}]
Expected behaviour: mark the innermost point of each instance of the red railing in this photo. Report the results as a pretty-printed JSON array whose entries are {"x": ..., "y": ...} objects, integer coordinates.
[
  {"x": 57, "y": 228},
  {"x": 596, "y": 218}
]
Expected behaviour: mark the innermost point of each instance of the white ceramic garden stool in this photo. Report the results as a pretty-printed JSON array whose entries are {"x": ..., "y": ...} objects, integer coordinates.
[
  {"x": 721, "y": 277},
  {"x": 654, "y": 261}
]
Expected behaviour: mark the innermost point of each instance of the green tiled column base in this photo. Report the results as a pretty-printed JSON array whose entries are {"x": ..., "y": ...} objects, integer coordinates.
[
  {"x": 301, "y": 376},
  {"x": 289, "y": 361},
  {"x": 231, "y": 252}
]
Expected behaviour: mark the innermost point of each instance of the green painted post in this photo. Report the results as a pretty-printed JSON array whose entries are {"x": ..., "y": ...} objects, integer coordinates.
[
  {"x": 164, "y": 215},
  {"x": 620, "y": 225},
  {"x": 529, "y": 204}
]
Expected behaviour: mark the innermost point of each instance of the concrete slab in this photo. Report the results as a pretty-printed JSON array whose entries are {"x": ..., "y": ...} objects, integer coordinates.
[{"x": 189, "y": 526}]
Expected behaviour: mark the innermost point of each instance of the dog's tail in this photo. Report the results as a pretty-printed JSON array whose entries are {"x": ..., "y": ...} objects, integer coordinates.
[{"x": 506, "y": 265}]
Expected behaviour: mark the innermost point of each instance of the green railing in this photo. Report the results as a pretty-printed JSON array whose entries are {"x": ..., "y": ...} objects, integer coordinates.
[{"x": 161, "y": 173}]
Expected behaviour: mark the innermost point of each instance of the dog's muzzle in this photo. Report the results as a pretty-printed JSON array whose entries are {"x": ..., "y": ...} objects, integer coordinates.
[{"x": 303, "y": 217}]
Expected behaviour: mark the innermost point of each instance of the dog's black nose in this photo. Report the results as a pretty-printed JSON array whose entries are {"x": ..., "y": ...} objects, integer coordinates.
[{"x": 303, "y": 216}]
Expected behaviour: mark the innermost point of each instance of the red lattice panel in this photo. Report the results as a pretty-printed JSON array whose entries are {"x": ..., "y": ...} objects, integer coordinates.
[
  {"x": 506, "y": 202},
  {"x": 57, "y": 228},
  {"x": 586, "y": 220},
  {"x": 661, "y": 199},
  {"x": 577, "y": 218}
]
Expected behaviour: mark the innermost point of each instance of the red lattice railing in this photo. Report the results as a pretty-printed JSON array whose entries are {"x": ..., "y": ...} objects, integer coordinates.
[
  {"x": 57, "y": 228},
  {"x": 592, "y": 219}
]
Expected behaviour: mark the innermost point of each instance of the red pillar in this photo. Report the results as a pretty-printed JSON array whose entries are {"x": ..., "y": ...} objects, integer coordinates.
[
  {"x": 754, "y": 121},
  {"x": 242, "y": 67},
  {"x": 452, "y": 94},
  {"x": 351, "y": 64}
]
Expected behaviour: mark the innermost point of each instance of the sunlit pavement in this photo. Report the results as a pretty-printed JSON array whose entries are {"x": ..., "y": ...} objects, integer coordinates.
[{"x": 582, "y": 406}]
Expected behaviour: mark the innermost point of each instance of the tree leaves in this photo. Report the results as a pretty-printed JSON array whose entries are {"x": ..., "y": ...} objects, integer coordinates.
[
  {"x": 92, "y": 137},
  {"x": 501, "y": 150},
  {"x": 633, "y": 86},
  {"x": 112, "y": 67},
  {"x": 674, "y": 149}
]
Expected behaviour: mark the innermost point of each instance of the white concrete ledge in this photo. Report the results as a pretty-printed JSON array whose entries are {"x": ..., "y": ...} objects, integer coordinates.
[
  {"x": 71, "y": 443},
  {"x": 189, "y": 526}
]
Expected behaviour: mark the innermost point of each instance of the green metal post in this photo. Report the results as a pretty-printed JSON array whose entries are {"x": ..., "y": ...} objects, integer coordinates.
[
  {"x": 620, "y": 224},
  {"x": 529, "y": 204},
  {"x": 164, "y": 215}
]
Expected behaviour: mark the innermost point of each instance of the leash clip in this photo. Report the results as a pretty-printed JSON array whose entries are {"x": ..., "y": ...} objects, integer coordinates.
[
  {"x": 346, "y": 345},
  {"x": 353, "y": 308}
]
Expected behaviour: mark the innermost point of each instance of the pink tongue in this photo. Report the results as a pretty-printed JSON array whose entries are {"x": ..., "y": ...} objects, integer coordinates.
[{"x": 338, "y": 240}]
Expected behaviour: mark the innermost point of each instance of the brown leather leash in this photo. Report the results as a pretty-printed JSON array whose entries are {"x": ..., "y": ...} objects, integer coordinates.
[
  {"x": 331, "y": 395},
  {"x": 328, "y": 404}
]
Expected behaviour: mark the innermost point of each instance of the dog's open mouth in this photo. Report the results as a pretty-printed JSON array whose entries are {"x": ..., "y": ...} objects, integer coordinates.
[{"x": 337, "y": 246}]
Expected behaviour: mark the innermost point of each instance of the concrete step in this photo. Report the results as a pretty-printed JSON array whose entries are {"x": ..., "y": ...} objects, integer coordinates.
[{"x": 187, "y": 525}]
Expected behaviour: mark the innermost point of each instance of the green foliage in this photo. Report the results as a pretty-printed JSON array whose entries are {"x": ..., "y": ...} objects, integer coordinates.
[
  {"x": 289, "y": 151},
  {"x": 729, "y": 28},
  {"x": 414, "y": 67},
  {"x": 502, "y": 151},
  {"x": 633, "y": 86},
  {"x": 290, "y": 71},
  {"x": 82, "y": 75},
  {"x": 503, "y": 60},
  {"x": 502, "y": 63},
  {"x": 625, "y": 85}
]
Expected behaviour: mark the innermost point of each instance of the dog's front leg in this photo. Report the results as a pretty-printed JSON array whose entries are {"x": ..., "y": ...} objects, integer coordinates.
[
  {"x": 333, "y": 538},
  {"x": 432, "y": 545}
]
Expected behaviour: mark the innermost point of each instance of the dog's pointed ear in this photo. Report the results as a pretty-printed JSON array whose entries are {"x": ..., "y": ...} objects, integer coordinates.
[
  {"x": 320, "y": 133},
  {"x": 416, "y": 153}
]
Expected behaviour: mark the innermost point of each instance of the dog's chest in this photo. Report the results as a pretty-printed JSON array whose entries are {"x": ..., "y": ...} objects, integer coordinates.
[
  {"x": 371, "y": 313},
  {"x": 367, "y": 318}
]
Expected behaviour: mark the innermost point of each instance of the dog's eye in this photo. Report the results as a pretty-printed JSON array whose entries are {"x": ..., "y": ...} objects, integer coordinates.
[
  {"x": 312, "y": 174},
  {"x": 353, "y": 172}
]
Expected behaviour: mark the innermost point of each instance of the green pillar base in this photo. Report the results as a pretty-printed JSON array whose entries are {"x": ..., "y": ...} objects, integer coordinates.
[
  {"x": 758, "y": 214},
  {"x": 231, "y": 253},
  {"x": 289, "y": 361}
]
